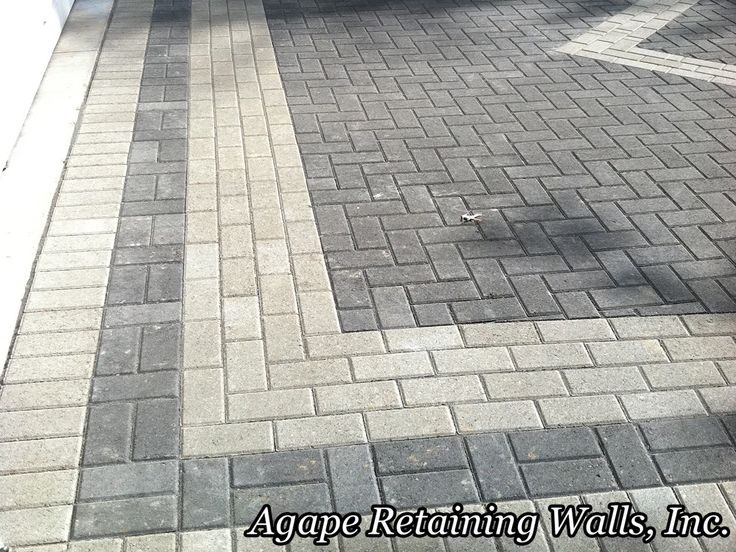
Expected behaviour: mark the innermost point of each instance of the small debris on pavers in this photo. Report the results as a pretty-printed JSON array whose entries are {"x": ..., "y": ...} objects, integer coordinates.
[{"x": 470, "y": 216}]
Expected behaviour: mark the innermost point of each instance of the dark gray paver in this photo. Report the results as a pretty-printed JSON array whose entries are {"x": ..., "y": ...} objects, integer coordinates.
[
  {"x": 121, "y": 480},
  {"x": 119, "y": 350},
  {"x": 420, "y": 455},
  {"x": 206, "y": 496},
  {"x": 628, "y": 456},
  {"x": 126, "y": 516},
  {"x": 160, "y": 348},
  {"x": 555, "y": 444},
  {"x": 287, "y": 467},
  {"x": 429, "y": 489},
  {"x": 354, "y": 483},
  {"x": 135, "y": 386},
  {"x": 109, "y": 433},
  {"x": 595, "y": 199},
  {"x": 688, "y": 466},
  {"x": 156, "y": 429},
  {"x": 306, "y": 497},
  {"x": 566, "y": 477},
  {"x": 495, "y": 468},
  {"x": 696, "y": 432}
]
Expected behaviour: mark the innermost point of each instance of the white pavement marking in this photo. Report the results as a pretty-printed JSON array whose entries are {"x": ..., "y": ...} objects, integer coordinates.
[{"x": 616, "y": 40}]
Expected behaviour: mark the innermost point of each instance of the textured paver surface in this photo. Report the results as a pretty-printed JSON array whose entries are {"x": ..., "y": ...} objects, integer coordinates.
[
  {"x": 705, "y": 31},
  {"x": 595, "y": 189},
  {"x": 255, "y": 287}
]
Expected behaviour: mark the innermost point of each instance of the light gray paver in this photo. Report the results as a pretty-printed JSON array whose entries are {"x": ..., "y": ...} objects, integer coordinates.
[
  {"x": 358, "y": 397},
  {"x": 605, "y": 380},
  {"x": 653, "y": 502},
  {"x": 662, "y": 404},
  {"x": 442, "y": 390},
  {"x": 575, "y": 330},
  {"x": 232, "y": 438},
  {"x": 308, "y": 373},
  {"x": 413, "y": 339},
  {"x": 37, "y": 489},
  {"x": 682, "y": 374},
  {"x": 345, "y": 344},
  {"x": 513, "y": 333},
  {"x": 720, "y": 400},
  {"x": 487, "y": 359},
  {"x": 36, "y": 525},
  {"x": 627, "y": 352},
  {"x": 581, "y": 410},
  {"x": 550, "y": 356},
  {"x": 700, "y": 348},
  {"x": 390, "y": 366},
  {"x": 524, "y": 385},
  {"x": 409, "y": 422},
  {"x": 497, "y": 416},
  {"x": 708, "y": 497},
  {"x": 269, "y": 405},
  {"x": 646, "y": 327},
  {"x": 338, "y": 429}
]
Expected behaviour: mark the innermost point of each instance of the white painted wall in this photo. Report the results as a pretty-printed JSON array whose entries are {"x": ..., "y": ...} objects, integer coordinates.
[{"x": 29, "y": 30}]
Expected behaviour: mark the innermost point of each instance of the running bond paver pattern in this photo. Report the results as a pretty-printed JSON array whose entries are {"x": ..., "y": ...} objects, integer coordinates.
[
  {"x": 273, "y": 403},
  {"x": 599, "y": 196}
]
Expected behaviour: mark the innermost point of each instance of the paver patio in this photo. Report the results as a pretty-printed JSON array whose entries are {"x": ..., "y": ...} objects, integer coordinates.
[{"x": 255, "y": 286}]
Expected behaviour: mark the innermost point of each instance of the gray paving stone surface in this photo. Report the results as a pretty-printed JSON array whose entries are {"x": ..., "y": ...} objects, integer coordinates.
[
  {"x": 419, "y": 472},
  {"x": 604, "y": 191},
  {"x": 132, "y": 445},
  {"x": 598, "y": 195},
  {"x": 707, "y": 31}
]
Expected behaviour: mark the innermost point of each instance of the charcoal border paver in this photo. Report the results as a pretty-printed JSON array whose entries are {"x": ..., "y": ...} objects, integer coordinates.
[{"x": 134, "y": 409}]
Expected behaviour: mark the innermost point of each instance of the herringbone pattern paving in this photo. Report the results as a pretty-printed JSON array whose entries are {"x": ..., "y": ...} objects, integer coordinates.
[
  {"x": 604, "y": 190},
  {"x": 706, "y": 31}
]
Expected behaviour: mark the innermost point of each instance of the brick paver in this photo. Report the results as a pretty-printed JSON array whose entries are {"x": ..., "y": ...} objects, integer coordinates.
[{"x": 186, "y": 352}]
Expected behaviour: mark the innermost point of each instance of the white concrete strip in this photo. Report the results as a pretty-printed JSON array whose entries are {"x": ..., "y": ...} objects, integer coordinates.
[{"x": 28, "y": 184}]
